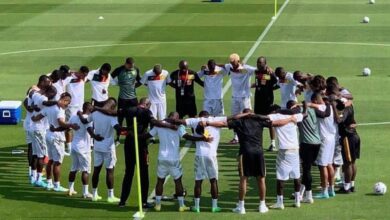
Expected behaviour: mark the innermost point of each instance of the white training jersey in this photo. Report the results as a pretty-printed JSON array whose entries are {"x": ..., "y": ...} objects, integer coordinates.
[
  {"x": 156, "y": 85},
  {"x": 307, "y": 93},
  {"x": 241, "y": 80},
  {"x": 99, "y": 85},
  {"x": 52, "y": 114},
  {"x": 213, "y": 82},
  {"x": 27, "y": 120},
  {"x": 76, "y": 90},
  {"x": 61, "y": 86},
  {"x": 104, "y": 126},
  {"x": 37, "y": 100},
  {"x": 287, "y": 89},
  {"x": 169, "y": 148},
  {"x": 328, "y": 127},
  {"x": 81, "y": 139},
  {"x": 208, "y": 149},
  {"x": 288, "y": 134}
]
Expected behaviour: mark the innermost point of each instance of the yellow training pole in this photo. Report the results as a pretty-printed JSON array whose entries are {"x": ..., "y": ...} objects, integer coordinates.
[
  {"x": 276, "y": 8},
  {"x": 140, "y": 214}
]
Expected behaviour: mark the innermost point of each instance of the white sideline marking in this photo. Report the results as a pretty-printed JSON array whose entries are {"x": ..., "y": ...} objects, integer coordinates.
[
  {"x": 119, "y": 44},
  {"x": 256, "y": 45}
]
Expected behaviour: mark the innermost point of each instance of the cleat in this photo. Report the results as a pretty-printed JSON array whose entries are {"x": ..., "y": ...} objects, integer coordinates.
[
  {"x": 113, "y": 199},
  {"x": 331, "y": 193},
  {"x": 147, "y": 205},
  {"x": 157, "y": 208},
  {"x": 271, "y": 148},
  {"x": 215, "y": 209},
  {"x": 50, "y": 186},
  {"x": 308, "y": 200},
  {"x": 72, "y": 192},
  {"x": 87, "y": 196},
  {"x": 263, "y": 209},
  {"x": 184, "y": 208},
  {"x": 297, "y": 204},
  {"x": 233, "y": 141},
  {"x": 196, "y": 210},
  {"x": 239, "y": 210},
  {"x": 96, "y": 198},
  {"x": 343, "y": 191},
  {"x": 40, "y": 184},
  {"x": 277, "y": 206},
  {"x": 322, "y": 196},
  {"x": 60, "y": 189},
  {"x": 352, "y": 189}
]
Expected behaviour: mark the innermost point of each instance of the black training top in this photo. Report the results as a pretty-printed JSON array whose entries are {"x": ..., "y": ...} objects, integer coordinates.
[
  {"x": 250, "y": 134},
  {"x": 144, "y": 118},
  {"x": 347, "y": 118},
  {"x": 184, "y": 83},
  {"x": 264, "y": 87}
]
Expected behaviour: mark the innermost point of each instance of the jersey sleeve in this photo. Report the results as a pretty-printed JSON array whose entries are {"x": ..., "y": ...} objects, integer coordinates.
[
  {"x": 138, "y": 77},
  {"x": 90, "y": 75},
  {"x": 153, "y": 132},
  {"x": 220, "y": 119},
  {"x": 61, "y": 114},
  {"x": 168, "y": 79},
  {"x": 114, "y": 121},
  {"x": 192, "y": 122},
  {"x": 181, "y": 131},
  {"x": 144, "y": 79},
  {"x": 233, "y": 124},
  {"x": 201, "y": 74},
  {"x": 299, "y": 117},
  {"x": 273, "y": 117}
]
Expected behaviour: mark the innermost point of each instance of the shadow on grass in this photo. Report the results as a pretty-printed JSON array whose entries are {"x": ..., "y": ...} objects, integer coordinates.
[{"x": 14, "y": 185}]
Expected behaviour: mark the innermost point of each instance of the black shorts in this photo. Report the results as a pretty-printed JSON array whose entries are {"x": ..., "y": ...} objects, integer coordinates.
[
  {"x": 251, "y": 164},
  {"x": 97, "y": 103},
  {"x": 308, "y": 152},
  {"x": 354, "y": 148},
  {"x": 186, "y": 108},
  {"x": 127, "y": 103}
]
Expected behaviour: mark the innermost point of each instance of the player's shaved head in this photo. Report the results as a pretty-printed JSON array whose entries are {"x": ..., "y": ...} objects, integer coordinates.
[
  {"x": 173, "y": 115},
  {"x": 44, "y": 81},
  {"x": 157, "y": 69},
  {"x": 204, "y": 114},
  {"x": 247, "y": 110},
  {"x": 317, "y": 98},
  {"x": 129, "y": 62},
  {"x": 50, "y": 92},
  {"x": 261, "y": 63},
  {"x": 211, "y": 65},
  {"x": 110, "y": 103},
  {"x": 183, "y": 65},
  {"x": 105, "y": 68},
  {"x": 144, "y": 102},
  {"x": 87, "y": 107},
  {"x": 280, "y": 72}
]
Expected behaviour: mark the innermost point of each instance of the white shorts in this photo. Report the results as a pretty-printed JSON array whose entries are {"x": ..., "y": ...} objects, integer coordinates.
[
  {"x": 159, "y": 110},
  {"x": 338, "y": 157},
  {"x": 29, "y": 137},
  {"x": 70, "y": 111},
  {"x": 213, "y": 106},
  {"x": 206, "y": 168},
  {"x": 81, "y": 161},
  {"x": 39, "y": 146},
  {"x": 104, "y": 158},
  {"x": 239, "y": 104},
  {"x": 326, "y": 153},
  {"x": 55, "y": 149},
  {"x": 169, "y": 167},
  {"x": 287, "y": 164}
]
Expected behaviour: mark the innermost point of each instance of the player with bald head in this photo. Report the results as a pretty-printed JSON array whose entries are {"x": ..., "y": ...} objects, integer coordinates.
[{"x": 182, "y": 80}]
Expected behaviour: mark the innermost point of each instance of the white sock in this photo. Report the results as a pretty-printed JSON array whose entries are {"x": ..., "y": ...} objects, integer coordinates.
[
  {"x": 110, "y": 193},
  {"x": 309, "y": 194},
  {"x": 337, "y": 174},
  {"x": 49, "y": 181},
  {"x": 34, "y": 174},
  {"x": 85, "y": 190},
  {"x": 241, "y": 204},
  {"x": 347, "y": 186},
  {"x": 158, "y": 200},
  {"x": 197, "y": 201},
  {"x": 302, "y": 190},
  {"x": 180, "y": 199},
  {"x": 56, "y": 184},
  {"x": 262, "y": 203},
  {"x": 71, "y": 186},
  {"x": 235, "y": 136},
  {"x": 273, "y": 143},
  {"x": 325, "y": 190},
  {"x": 29, "y": 171},
  {"x": 214, "y": 203},
  {"x": 297, "y": 197},
  {"x": 94, "y": 192},
  {"x": 39, "y": 176},
  {"x": 279, "y": 199},
  {"x": 352, "y": 183},
  {"x": 69, "y": 146}
]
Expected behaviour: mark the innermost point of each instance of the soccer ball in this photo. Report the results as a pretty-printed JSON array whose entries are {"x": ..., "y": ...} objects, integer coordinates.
[
  {"x": 366, "y": 19},
  {"x": 366, "y": 72},
  {"x": 372, "y": 1},
  {"x": 380, "y": 188}
]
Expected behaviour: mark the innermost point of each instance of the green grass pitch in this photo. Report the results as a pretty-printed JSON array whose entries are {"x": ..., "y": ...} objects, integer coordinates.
[{"x": 323, "y": 37}]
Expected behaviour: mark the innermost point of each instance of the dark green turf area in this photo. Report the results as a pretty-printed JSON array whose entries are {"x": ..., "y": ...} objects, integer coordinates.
[{"x": 324, "y": 37}]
